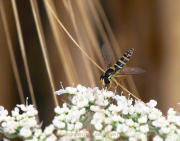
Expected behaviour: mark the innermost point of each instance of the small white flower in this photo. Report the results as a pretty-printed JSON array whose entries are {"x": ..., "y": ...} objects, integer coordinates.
[
  {"x": 9, "y": 129},
  {"x": 49, "y": 130},
  {"x": 22, "y": 106},
  {"x": 107, "y": 120},
  {"x": 82, "y": 111},
  {"x": 70, "y": 126},
  {"x": 71, "y": 90},
  {"x": 80, "y": 105},
  {"x": 157, "y": 138},
  {"x": 171, "y": 118},
  {"x": 25, "y": 132},
  {"x": 61, "y": 91},
  {"x": 171, "y": 112},
  {"x": 85, "y": 102},
  {"x": 108, "y": 128},
  {"x": 51, "y": 138},
  {"x": 129, "y": 102},
  {"x": 43, "y": 136},
  {"x": 57, "y": 123},
  {"x": 15, "y": 113},
  {"x": 172, "y": 137},
  {"x": 152, "y": 116},
  {"x": 132, "y": 139},
  {"x": 142, "y": 119},
  {"x": 172, "y": 128},
  {"x": 98, "y": 126},
  {"x": 79, "y": 87},
  {"x": 160, "y": 122},
  {"x": 144, "y": 128},
  {"x": 177, "y": 120},
  {"x": 78, "y": 125},
  {"x": 38, "y": 132},
  {"x": 121, "y": 128},
  {"x": 31, "y": 122},
  {"x": 129, "y": 122},
  {"x": 152, "y": 103},
  {"x": 130, "y": 133},
  {"x": 164, "y": 130}
]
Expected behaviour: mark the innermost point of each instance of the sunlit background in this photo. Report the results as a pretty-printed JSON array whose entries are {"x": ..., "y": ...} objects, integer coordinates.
[{"x": 36, "y": 54}]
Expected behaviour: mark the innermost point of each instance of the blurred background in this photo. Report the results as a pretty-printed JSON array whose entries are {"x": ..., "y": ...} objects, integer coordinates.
[{"x": 31, "y": 40}]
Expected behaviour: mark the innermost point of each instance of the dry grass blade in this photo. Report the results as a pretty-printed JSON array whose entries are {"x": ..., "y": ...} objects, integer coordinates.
[
  {"x": 43, "y": 45},
  {"x": 20, "y": 37},
  {"x": 71, "y": 36},
  {"x": 62, "y": 47},
  {"x": 82, "y": 43},
  {"x": 11, "y": 52}
]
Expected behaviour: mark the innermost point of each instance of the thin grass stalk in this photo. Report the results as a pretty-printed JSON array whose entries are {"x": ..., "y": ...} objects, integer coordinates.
[
  {"x": 22, "y": 47},
  {"x": 88, "y": 28},
  {"x": 72, "y": 37},
  {"x": 43, "y": 45},
  {"x": 11, "y": 52},
  {"x": 82, "y": 44},
  {"x": 62, "y": 47}
]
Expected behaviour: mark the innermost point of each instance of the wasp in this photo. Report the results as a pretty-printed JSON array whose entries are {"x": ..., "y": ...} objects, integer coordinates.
[{"x": 117, "y": 70}]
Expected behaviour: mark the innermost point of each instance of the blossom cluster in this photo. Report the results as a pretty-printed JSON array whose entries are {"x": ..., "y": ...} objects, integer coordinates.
[
  {"x": 94, "y": 114},
  {"x": 23, "y": 125}
]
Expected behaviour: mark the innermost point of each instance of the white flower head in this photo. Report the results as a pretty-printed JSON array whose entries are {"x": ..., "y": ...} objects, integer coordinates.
[
  {"x": 25, "y": 132},
  {"x": 98, "y": 126},
  {"x": 52, "y": 137},
  {"x": 78, "y": 125},
  {"x": 49, "y": 130},
  {"x": 171, "y": 112},
  {"x": 108, "y": 128},
  {"x": 121, "y": 128},
  {"x": 143, "y": 119},
  {"x": 38, "y": 132},
  {"x": 152, "y": 103},
  {"x": 59, "y": 92},
  {"x": 144, "y": 128},
  {"x": 157, "y": 138}
]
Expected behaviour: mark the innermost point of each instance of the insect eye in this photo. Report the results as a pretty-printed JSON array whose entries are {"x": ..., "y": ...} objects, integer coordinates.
[
  {"x": 106, "y": 80},
  {"x": 102, "y": 77}
]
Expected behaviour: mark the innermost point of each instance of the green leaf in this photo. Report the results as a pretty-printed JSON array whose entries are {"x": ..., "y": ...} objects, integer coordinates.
[{"x": 10, "y": 136}]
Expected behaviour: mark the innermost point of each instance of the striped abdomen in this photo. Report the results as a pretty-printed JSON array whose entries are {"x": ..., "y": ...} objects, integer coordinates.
[{"x": 123, "y": 60}]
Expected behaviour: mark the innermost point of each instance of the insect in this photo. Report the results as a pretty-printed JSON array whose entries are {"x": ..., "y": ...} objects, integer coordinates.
[{"x": 117, "y": 70}]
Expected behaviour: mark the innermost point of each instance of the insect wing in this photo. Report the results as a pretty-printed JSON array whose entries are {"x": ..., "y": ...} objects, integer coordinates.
[
  {"x": 131, "y": 71},
  {"x": 107, "y": 54}
]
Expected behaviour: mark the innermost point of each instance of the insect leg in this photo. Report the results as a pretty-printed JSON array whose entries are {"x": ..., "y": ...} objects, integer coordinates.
[
  {"x": 115, "y": 82},
  {"x": 110, "y": 85},
  {"x": 121, "y": 77}
]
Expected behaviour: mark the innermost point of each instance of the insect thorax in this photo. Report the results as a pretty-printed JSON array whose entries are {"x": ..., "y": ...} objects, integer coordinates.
[{"x": 109, "y": 72}]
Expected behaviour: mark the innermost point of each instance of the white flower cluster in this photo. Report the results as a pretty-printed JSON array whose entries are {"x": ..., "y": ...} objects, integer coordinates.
[
  {"x": 121, "y": 120},
  {"x": 84, "y": 97},
  {"x": 69, "y": 123},
  {"x": 97, "y": 114},
  {"x": 22, "y": 125}
]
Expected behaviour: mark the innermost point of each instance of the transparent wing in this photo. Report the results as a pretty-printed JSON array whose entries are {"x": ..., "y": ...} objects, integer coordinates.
[
  {"x": 131, "y": 71},
  {"x": 107, "y": 54}
]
